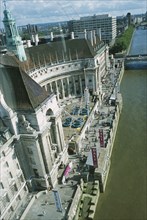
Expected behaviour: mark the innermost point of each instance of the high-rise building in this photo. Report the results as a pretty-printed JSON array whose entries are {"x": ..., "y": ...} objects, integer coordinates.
[
  {"x": 106, "y": 23},
  {"x": 129, "y": 18}
]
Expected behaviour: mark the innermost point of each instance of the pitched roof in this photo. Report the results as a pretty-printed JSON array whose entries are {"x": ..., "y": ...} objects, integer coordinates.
[
  {"x": 70, "y": 49},
  {"x": 55, "y": 51},
  {"x": 9, "y": 59},
  {"x": 20, "y": 91}
]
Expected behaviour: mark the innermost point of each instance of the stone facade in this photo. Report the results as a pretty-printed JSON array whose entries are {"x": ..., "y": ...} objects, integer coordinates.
[
  {"x": 13, "y": 188},
  {"x": 70, "y": 78}
]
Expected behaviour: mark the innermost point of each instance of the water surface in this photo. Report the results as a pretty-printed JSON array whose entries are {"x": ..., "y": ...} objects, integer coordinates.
[{"x": 125, "y": 197}]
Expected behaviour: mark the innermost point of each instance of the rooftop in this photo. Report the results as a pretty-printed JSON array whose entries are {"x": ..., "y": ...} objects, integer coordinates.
[{"x": 20, "y": 91}]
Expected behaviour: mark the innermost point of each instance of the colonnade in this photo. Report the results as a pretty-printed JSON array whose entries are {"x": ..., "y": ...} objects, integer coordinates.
[{"x": 73, "y": 85}]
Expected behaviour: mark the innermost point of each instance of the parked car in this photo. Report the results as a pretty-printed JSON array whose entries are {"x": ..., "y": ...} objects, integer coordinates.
[
  {"x": 75, "y": 111},
  {"x": 84, "y": 111},
  {"x": 76, "y": 125},
  {"x": 69, "y": 119},
  {"x": 66, "y": 124},
  {"x": 80, "y": 119}
]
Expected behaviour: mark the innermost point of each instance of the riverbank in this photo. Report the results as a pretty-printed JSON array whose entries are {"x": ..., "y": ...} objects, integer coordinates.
[
  {"x": 122, "y": 42},
  {"x": 125, "y": 194},
  {"x": 97, "y": 181},
  {"x": 84, "y": 185}
]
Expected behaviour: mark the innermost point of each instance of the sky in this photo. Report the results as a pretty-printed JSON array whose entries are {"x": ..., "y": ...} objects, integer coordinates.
[{"x": 44, "y": 11}]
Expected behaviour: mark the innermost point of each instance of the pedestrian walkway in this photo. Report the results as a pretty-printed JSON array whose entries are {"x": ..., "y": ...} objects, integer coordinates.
[{"x": 44, "y": 208}]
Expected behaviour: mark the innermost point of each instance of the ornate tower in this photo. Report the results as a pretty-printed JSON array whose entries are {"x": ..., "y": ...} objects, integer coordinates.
[{"x": 13, "y": 39}]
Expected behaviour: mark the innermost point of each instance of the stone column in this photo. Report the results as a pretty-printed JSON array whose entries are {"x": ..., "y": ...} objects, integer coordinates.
[
  {"x": 80, "y": 81},
  {"x": 57, "y": 90},
  {"x": 63, "y": 92},
  {"x": 45, "y": 86},
  {"x": 99, "y": 86},
  {"x": 73, "y": 78},
  {"x": 94, "y": 83},
  {"x": 86, "y": 83},
  {"x": 51, "y": 88},
  {"x": 68, "y": 88}
]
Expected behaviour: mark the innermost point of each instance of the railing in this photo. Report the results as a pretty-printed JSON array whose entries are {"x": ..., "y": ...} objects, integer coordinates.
[{"x": 136, "y": 57}]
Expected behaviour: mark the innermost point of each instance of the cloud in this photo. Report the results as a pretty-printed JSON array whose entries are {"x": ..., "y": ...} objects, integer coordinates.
[{"x": 42, "y": 11}]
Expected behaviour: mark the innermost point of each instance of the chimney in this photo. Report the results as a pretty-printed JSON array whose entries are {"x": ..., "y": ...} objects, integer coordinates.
[
  {"x": 90, "y": 37},
  {"x": 33, "y": 38},
  {"x": 94, "y": 37},
  {"x": 36, "y": 39},
  {"x": 85, "y": 34},
  {"x": 72, "y": 35},
  {"x": 98, "y": 32},
  {"x": 52, "y": 36},
  {"x": 28, "y": 42}
]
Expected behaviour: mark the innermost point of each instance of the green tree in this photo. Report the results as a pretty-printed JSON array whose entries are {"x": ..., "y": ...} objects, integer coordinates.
[{"x": 122, "y": 42}]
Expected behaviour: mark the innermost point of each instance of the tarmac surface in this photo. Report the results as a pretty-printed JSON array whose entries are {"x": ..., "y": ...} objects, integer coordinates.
[{"x": 44, "y": 207}]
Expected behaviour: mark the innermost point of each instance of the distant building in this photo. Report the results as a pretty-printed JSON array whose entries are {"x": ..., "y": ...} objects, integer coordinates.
[
  {"x": 122, "y": 24},
  {"x": 129, "y": 18},
  {"x": 106, "y": 23}
]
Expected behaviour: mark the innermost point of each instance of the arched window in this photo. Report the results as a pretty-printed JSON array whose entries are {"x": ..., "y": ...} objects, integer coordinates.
[{"x": 49, "y": 113}]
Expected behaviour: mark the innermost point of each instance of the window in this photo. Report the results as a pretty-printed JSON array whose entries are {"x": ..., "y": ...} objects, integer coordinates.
[
  {"x": 1, "y": 185},
  {"x": 3, "y": 154},
  {"x": 21, "y": 178},
  {"x": 10, "y": 175},
  {"x": 6, "y": 198},
  {"x": 7, "y": 165},
  {"x": 15, "y": 187},
  {"x": 36, "y": 172},
  {"x": 18, "y": 198},
  {"x": 25, "y": 189},
  {"x": 11, "y": 208},
  {"x": 17, "y": 166}
]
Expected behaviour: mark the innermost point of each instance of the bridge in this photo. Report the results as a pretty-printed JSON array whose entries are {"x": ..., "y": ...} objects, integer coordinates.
[
  {"x": 136, "y": 57},
  {"x": 135, "y": 61}
]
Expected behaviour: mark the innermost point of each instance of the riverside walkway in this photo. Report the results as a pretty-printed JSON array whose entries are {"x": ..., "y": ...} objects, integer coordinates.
[{"x": 42, "y": 205}]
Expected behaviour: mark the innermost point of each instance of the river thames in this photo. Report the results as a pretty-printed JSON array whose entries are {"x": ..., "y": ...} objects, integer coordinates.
[{"x": 125, "y": 197}]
